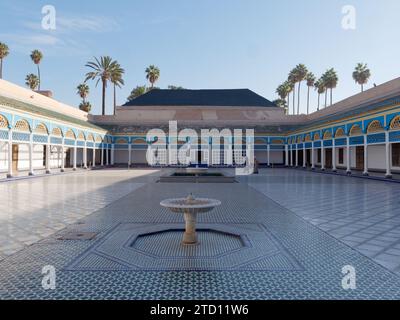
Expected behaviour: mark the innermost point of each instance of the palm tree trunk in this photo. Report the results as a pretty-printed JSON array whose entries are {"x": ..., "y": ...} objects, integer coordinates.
[
  {"x": 308, "y": 100},
  {"x": 294, "y": 99},
  {"x": 298, "y": 99},
  {"x": 1, "y": 68},
  {"x": 331, "y": 95},
  {"x": 362, "y": 88},
  {"x": 115, "y": 98},
  {"x": 326, "y": 98},
  {"x": 103, "y": 102},
  {"x": 288, "y": 103},
  {"x": 38, "y": 70},
  {"x": 319, "y": 95}
]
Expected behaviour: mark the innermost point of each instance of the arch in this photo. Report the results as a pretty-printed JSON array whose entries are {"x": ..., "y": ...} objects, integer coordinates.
[
  {"x": 3, "y": 122},
  {"x": 327, "y": 135},
  {"x": 340, "y": 133},
  {"x": 277, "y": 141},
  {"x": 90, "y": 137},
  {"x": 307, "y": 138},
  {"x": 259, "y": 141},
  {"x": 395, "y": 123},
  {"x": 317, "y": 136},
  {"x": 56, "y": 132},
  {"x": 98, "y": 138},
  {"x": 299, "y": 139},
  {"x": 355, "y": 130},
  {"x": 139, "y": 141},
  {"x": 375, "y": 126},
  {"x": 41, "y": 128},
  {"x": 70, "y": 134},
  {"x": 81, "y": 136},
  {"x": 121, "y": 141},
  {"x": 22, "y": 125}
]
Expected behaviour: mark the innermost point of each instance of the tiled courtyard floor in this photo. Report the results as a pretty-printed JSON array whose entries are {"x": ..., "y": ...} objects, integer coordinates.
[{"x": 283, "y": 234}]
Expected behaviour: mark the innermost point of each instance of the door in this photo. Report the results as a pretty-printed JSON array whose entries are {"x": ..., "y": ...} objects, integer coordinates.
[
  {"x": 328, "y": 157},
  {"x": 15, "y": 157},
  {"x": 360, "y": 158},
  {"x": 308, "y": 157}
]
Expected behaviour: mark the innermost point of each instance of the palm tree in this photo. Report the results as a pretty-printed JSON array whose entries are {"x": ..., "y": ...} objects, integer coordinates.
[
  {"x": 172, "y": 87},
  {"x": 281, "y": 103},
  {"x": 292, "y": 79},
  {"x": 152, "y": 74},
  {"x": 283, "y": 92},
  {"x": 102, "y": 71},
  {"x": 136, "y": 92},
  {"x": 289, "y": 88},
  {"x": 361, "y": 74},
  {"x": 4, "y": 51},
  {"x": 117, "y": 81},
  {"x": 310, "y": 78},
  {"x": 32, "y": 81},
  {"x": 330, "y": 80},
  {"x": 320, "y": 87},
  {"x": 37, "y": 57},
  {"x": 85, "y": 106},
  {"x": 300, "y": 74},
  {"x": 83, "y": 91}
]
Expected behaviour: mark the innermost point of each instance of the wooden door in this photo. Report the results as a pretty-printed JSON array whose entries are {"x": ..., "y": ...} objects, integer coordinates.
[
  {"x": 360, "y": 158},
  {"x": 328, "y": 158},
  {"x": 15, "y": 157}
]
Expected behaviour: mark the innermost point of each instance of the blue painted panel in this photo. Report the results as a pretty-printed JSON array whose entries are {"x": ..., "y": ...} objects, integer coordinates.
[
  {"x": 308, "y": 145},
  {"x": 317, "y": 144},
  {"x": 376, "y": 138},
  {"x": 139, "y": 146},
  {"x": 340, "y": 142},
  {"x": 39, "y": 138},
  {"x": 89, "y": 144},
  {"x": 69, "y": 142},
  {"x": 328, "y": 143},
  {"x": 260, "y": 147},
  {"x": 300, "y": 146},
  {"x": 20, "y": 136},
  {"x": 357, "y": 140},
  {"x": 3, "y": 134},
  {"x": 80, "y": 143},
  {"x": 54, "y": 140},
  {"x": 394, "y": 136},
  {"x": 277, "y": 148}
]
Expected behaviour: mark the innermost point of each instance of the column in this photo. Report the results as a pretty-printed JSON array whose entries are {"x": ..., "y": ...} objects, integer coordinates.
[
  {"x": 365, "y": 173},
  {"x": 62, "y": 156},
  {"x": 31, "y": 173},
  {"x": 291, "y": 155},
  {"x": 129, "y": 154},
  {"x": 387, "y": 156},
  {"x": 312, "y": 156},
  {"x": 107, "y": 155},
  {"x": 112, "y": 154},
  {"x": 297, "y": 156},
  {"x": 94, "y": 155},
  {"x": 268, "y": 155},
  {"x": 48, "y": 150},
  {"x": 10, "y": 161},
  {"x": 84, "y": 157},
  {"x": 75, "y": 157},
  {"x": 286, "y": 155},
  {"x": 333, "y": 155},
  {"x": 304, "y": 155},
  {"x": 322, "y": 156},
  {"x": 102, "y": 155},
  {"x": 348, "y": 170}
]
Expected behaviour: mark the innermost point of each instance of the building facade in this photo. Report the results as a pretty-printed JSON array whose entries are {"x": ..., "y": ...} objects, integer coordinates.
[{"x": 359, "y": 133}]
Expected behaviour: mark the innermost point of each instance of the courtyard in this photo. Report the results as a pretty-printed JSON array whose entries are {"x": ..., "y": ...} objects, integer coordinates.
[{"x": 282, "y": 234}]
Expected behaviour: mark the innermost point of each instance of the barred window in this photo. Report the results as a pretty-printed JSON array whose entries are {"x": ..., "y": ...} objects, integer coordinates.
[
  {"x": 41, "y": 129},
  {"x": 22, "y": 125},
  {"x": 375, "y": 126}
]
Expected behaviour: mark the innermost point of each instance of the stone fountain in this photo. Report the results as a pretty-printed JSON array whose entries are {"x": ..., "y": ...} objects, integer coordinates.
[{"x": 190, "y": 207}]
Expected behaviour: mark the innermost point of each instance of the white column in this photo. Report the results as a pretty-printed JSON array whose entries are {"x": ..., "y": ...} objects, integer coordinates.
[
  {"x": 348, "y": 170},
  {"x": 10, "y": 164},
  {"x": 365, "y": 173},
  {"x": 75, "y": 157},
  {"x": 333, "y": 155},
  {"x": 62, "y": 156},
  {"x": 129, "y": 154},
  {"x": 94, "y": 155},
  {"x": 304, "y": 155},
  {"x": 312, "y": 156},
  {"x": 112, "y": 154},
  {"x": 291, "y": 155},
  {"x": 297, "y": 156},
  {"x": 107, "y": 152},
  {"x": 31, "y": 173},
  {"x": 102, "y": 154},
  {"x": 84, "y": 157},
  {"x": 48, "y": 150},
  {"x": 268, "y": 155},
  {"x": 387, "y": 156},
  {"x": 286, "y": 155},
  {"x": 322, "y": 156}
]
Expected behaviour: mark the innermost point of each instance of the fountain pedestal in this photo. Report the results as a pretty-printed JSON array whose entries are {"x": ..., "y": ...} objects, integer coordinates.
[{"x": 190, "y": 207}]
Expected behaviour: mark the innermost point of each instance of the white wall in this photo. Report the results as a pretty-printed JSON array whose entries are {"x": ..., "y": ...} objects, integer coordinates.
[
  {"x": 3, "y": 156},
  {"x": 376, "y": 157}
]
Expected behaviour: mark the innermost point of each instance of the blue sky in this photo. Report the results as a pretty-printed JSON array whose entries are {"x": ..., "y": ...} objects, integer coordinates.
[{"x": 201, "y": 44}]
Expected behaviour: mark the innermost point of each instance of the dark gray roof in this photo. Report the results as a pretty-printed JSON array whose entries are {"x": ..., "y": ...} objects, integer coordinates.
[{"x": 185, "y": 97}]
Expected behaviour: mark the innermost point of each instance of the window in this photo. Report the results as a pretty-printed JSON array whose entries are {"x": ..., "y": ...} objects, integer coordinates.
[
  {"x": 341, "y": 156},
  {"x": 319, "y": 156},
  {"x": 396, "y": 155}
]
